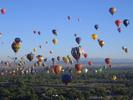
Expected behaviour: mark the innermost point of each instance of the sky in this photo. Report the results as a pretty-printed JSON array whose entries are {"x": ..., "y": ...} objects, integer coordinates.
[{"x": 25, "y": 16}]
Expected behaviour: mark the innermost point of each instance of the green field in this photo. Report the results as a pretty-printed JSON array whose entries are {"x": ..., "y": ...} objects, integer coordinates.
[{"x": 84, "y": 86}]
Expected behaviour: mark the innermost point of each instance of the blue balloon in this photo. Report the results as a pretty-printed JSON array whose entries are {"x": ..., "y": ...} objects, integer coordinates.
[{"x": 66, "y": 78}]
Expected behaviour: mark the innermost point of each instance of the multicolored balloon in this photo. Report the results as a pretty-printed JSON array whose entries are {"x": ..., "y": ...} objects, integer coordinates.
[
  {"x": 3, "y": 11},
  {"x": 126, "y": 22},
  {"x": 112, "y": 10},
  {"x": 30, "y": 56}
]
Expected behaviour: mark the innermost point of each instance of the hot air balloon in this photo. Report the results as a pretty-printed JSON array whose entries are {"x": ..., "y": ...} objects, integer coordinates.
[
  {"x": 69, "y": 18},
  {"x": 40, "y": 59},
  {"x": 78, "y": 68},
  {"x": 81, "y": 50},
  {"x": 78, "y": 19},
  {"x": 126, "y": 22},
  {"x": 0, "y": 34},
  {"x": 112, "y": 10},
  {"x": 75, "y": 35},
  {"x": 114, "y": 77},
  {"x": 16, "y": 46},
  {"x": 51, "y": 52},
  {"x": 96, "y": 27},
  {"x": 34, "y": 32},
  {"x": 70, "y": 59},
  {"x": 78, "y": 40},
  {"x": 3, "y": 11},
  {"x": 108, "y": 61},
  {"x": 30, "y": 56},
  {"x": 76, "y": 53},
  {"x": 101, "y": 43},
  {"x": 90, "y": 63},
  {"x": 55, "y": 41},
  {"x": 39, "y": 33},
  {"x": 118, "y": 22},
  {"x": 119, "y": 29},
  {"x": 58, "y": 58},
  {"x": 125, "y": 49},
  {"x": 85, "y": 70},
  {"x": 45, "y": 60},
  {"x": 66, "y": 60},
  {"x": 54, "y": 32},
  {"x": 53, "y": 60},
  {"x": 34, "y": 49},
  {"x": 57, "y": 69},
  {"x": 17, "y": 40},
  {"x": 66, "y": 78},
  {"x": 85, "y": 55},
  {"x": 94, "y": 36}
]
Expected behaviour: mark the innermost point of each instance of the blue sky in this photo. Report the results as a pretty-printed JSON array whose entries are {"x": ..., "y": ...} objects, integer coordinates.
[{"x": 24, "y": 16}]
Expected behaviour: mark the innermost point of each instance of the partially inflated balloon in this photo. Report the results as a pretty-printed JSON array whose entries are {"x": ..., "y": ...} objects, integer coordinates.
[
  {"x": 94, "y": 36},
  {"x": 112, "y": 10},
  {"x": 126, "y": 22}
]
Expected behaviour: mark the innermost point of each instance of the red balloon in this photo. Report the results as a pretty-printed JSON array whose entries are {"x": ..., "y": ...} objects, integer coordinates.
[
  {"x": 108, "y": 61},
  {"x": 57, "y": 69},
  {"x": 3, "y": 11},
  {"x": 118, "y": 23},
  {"x": 78, "y": 67},
  {"x": 85, "y": 55},
  {"x": 90, "y": 63}
]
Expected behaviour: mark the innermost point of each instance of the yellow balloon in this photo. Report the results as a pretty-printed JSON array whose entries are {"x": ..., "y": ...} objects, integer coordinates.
[
  {"x": 66, "y": 60},
  {"x": 34, "y": 49},
  {"x": 114, "y": 77},
  {"x": 55, "y": 41},
  {"x": 94, "y": 36}
]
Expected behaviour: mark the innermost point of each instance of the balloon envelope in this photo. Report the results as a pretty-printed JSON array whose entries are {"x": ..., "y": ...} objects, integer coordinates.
[
  {"x": 66, "y": 78},
  {"x": 112, "y": 10},
  {"x": 126, "y": 22}
]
